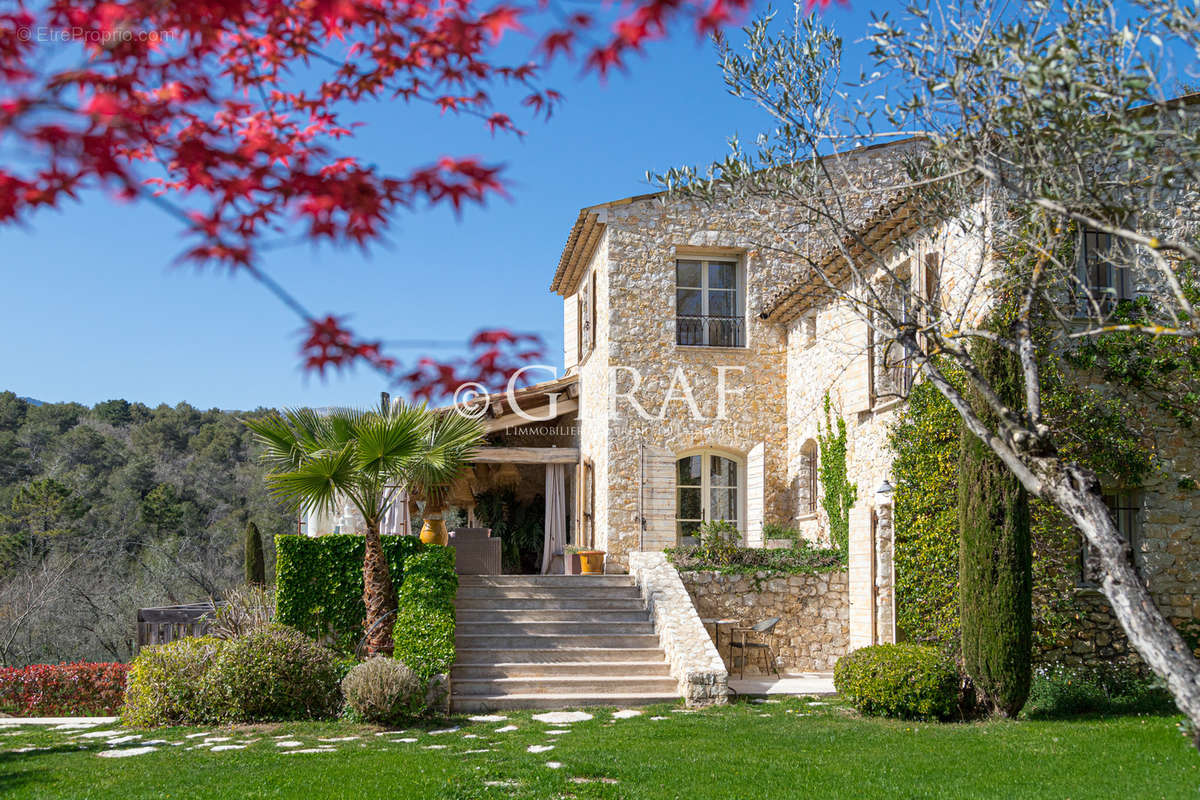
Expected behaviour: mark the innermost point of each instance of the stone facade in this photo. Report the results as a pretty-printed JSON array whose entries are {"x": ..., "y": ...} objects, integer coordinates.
[
  {"x": 695, "y": 663},
  {"x": 814, "y": 629},
  {"x": 646, "y": 401}
]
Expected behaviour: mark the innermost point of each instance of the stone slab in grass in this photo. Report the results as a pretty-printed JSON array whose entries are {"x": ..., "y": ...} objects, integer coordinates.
[
  {"x": 562, "y": 717},
  {"x": 126, "y": 752}
]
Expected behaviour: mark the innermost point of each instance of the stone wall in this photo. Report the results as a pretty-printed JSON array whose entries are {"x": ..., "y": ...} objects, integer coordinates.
[
  {"x": 695, "y": 663},
  {"x": 814, "y": 631}
]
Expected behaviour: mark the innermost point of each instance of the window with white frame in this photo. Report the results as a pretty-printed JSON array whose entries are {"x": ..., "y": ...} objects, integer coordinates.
[
  {"x": 1126, "y": 508},
  {"x": 708, "y": 486},
  {"x": 708, "y": 303}
]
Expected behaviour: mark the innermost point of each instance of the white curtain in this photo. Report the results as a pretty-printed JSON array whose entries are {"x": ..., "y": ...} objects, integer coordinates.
[
  {"x": 397, "y": 519},
  {"x": 556, "y": 518}
]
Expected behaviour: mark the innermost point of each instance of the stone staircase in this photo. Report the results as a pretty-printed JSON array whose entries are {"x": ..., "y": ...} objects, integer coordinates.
[{"x": 555, "y": 641}]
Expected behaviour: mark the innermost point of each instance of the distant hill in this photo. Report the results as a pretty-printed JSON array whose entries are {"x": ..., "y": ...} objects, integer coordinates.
[{"x": 32, "y": 401}]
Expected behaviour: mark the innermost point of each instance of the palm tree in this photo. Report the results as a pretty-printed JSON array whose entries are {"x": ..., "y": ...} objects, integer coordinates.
[{"x": 317, "y": 459}]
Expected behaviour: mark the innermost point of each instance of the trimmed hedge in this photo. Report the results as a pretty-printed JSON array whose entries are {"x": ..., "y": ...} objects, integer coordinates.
[
  {"x": 80, "y": 689},
  {"x": 424, "y": 632},
  {"x": 319, "y": 583},
  {"x": 909, "y": 681}
]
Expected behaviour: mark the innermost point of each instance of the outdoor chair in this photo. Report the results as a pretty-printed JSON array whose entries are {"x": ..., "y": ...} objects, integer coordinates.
[
  {"x": 476, "y": 552},
  {"x": 756, "y": 639}
]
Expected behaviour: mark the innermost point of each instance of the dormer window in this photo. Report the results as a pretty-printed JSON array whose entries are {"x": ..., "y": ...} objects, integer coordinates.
[{"x": 708, "y": 303}]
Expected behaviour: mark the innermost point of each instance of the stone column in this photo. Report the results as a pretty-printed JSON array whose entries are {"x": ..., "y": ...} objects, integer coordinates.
[{"x": 885, "y": 594}]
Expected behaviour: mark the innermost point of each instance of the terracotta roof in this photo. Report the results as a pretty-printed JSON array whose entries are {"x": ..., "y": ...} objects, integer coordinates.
[
  {"x": 893, "y": 219},
  {"x": 582, "y": 241}
]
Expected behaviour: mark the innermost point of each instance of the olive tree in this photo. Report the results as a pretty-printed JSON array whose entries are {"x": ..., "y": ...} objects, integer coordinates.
[{"x": 1040, "y": 138}]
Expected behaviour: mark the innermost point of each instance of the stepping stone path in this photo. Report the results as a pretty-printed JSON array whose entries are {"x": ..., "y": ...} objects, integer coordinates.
[
  {"x": 626, "y": 713},
  {"x": 311, "y": 750},
  {"x": 339, "y": 739},
  {"x": 539, "y": 748},
  {"x": 506, "y": 729},
  {"x": 126, "y": 752},
  {"x": 104, "y": 734},
  {"x": 556, "y": 733},
  {"x": 554, "y": 764},
  {"x": 436, "y": 746},
  {"x": 405, "y": 741},
  {"x": 189, "y": 736},
  {"x": 289, "y": 743},
  {"x": 123, "y": 739},
  {"x": 221, "y": 747},
  {"x": 443, "y": 730},
  {"x": 488, "y": 718},
  {"x": 562, "y": 717}
]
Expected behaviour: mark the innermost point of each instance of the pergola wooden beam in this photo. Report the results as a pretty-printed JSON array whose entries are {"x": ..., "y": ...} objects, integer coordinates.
[{"x": 527, "y": 455}]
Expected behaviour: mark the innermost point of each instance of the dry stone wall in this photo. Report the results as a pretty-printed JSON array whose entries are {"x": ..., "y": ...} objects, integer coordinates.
[{"x": 814, "y": 629}]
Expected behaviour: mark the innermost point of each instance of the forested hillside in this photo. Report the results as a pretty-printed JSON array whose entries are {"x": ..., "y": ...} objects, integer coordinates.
[{"x": 104, "y": 510}]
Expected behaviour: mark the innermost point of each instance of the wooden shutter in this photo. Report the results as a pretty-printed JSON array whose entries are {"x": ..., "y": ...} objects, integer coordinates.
[
  {"x": 755, "y": 487},
  {"x": 856, "y": 383},
  {"x": 657, "y": 497}
]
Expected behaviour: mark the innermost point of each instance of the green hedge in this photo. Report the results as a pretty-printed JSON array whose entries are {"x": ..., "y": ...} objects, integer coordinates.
[
  {"x": 424, "y": 632},
  {"x": 319, "y": 583},
  {"x": 910, "y": 681}
]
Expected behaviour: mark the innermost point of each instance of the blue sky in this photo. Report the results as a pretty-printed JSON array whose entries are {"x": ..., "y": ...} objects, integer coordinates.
[{"x": 93, "y": 308}]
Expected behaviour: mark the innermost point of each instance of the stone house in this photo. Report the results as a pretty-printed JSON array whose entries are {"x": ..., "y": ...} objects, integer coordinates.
[{"x": 703, "y": 359}]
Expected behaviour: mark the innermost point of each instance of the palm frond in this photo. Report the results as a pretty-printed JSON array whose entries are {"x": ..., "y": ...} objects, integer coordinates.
[
  {"x": 452, "y": 442},
  {"x": 282, "y": 449},
  {"x": 386, "y": 443},
  {"x": 315, "y": 484}
]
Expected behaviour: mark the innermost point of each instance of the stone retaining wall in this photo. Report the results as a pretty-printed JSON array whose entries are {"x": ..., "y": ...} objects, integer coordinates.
[
  {"x": 695, "y": 663},
  {"x": 814, "y": 631}
]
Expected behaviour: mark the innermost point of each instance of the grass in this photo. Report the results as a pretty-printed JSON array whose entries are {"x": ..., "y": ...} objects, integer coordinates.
[{"x": 772, "y": 750}]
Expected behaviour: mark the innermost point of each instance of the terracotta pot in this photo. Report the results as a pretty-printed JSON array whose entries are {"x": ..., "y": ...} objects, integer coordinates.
[
  {"x": 433, "y": 531},
  {"x": 591, "y": 561}
]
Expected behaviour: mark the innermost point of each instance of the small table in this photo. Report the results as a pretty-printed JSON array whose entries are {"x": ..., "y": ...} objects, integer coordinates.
[{"x": 717, "y": 623}]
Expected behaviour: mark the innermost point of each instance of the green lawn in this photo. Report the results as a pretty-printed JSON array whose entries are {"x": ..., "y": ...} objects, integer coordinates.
[{"x": 772, "y": 750}]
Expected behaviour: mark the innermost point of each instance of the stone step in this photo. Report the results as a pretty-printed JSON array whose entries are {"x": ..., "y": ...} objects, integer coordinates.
[
  {"x": 475, "y": 703},
  {"x": 485, "y": 656},
  {"x": 550, "y": 641},
  {"x": 552, "y": 669},
  {"x": 571, "y": 684},
  {"x": 556, "y": 603},
  {"x": 473, "y": 616},
  {"x": 549, "y": 592},
  {"x": 564, "y": 629},
  {"x": 552, "y": 581}
]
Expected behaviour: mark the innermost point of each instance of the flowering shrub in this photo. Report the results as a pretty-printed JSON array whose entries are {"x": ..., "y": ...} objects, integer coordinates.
[{"x": 59, "y": 690}]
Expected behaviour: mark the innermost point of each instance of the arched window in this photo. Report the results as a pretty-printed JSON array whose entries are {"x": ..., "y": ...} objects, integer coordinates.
[
  {"x": 708, "y": 486},
  {"x": 807, "y": 488}
]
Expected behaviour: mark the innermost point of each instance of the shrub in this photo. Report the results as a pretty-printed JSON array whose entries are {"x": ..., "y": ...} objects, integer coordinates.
[
  {"x": 909, "y": 681},
  {"x": 246, "y": 609},
  {"x": 319, "y": 583},
  {"x": 424, "y": 632},
  {"x": 275, "y": 674},
  {"x": 55, "y": 690},
  {"x": 1062, "y": 691},
  {"x": 801, "y": 558},
  {"x": 719, "y": 541},
  {"x": 383, "y": 690},
  {"x": 166, "y": 683}
]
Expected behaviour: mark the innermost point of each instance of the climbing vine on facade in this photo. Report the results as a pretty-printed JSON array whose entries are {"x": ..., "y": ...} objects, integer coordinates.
[{"x": 837, "y": 492}]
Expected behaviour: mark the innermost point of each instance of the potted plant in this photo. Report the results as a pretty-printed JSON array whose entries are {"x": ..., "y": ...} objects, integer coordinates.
[
  {"x": 571, "y": 565},
  {"x": 591, "y": 562},
  {"x": 452, "y": 442}
]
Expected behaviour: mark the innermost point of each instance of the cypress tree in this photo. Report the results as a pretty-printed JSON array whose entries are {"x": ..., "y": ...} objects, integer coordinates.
[
  {"x": 255, "y": 567},
  {"x": 995, "y": 555}
]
